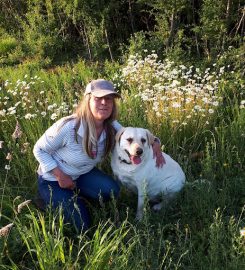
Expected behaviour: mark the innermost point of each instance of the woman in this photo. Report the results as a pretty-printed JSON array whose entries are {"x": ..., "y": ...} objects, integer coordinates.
[{"x": 70, "y": 149}]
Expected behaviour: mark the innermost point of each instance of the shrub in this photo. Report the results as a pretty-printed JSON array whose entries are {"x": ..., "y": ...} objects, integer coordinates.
[{"x": 7, "y": 45}]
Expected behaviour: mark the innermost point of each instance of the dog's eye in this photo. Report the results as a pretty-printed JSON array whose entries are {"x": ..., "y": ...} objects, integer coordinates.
[
  {"x": 143, "y": 140},
  {"x": 130, "y": 140}
]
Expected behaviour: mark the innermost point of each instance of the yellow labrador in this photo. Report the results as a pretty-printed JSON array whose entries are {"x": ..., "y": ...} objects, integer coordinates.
[{"x": 134, "y": 166}]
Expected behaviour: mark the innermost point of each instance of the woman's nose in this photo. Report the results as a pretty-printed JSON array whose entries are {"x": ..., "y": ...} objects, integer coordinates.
[{"x": 103, "y": 101}]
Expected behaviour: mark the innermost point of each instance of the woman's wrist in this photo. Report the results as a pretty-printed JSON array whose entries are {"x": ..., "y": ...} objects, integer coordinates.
[{"x": 57, "y": 172}]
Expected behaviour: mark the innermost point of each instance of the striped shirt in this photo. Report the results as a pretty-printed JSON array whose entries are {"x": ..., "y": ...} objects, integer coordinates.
[{"x": 60, "y": 147}]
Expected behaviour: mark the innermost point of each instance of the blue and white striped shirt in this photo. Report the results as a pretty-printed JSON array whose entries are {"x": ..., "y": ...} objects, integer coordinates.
[{"x": 60, "y": 147}]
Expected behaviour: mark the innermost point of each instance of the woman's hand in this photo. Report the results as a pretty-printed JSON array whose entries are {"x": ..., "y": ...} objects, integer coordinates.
[
  {"x": 157, "y": 153},
  {"x": 64, "y": 180}
]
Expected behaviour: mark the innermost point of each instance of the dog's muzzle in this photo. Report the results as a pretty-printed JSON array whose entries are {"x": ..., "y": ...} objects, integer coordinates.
[
  {"x": 124, "y": 160},
  {"x": 135, "y": 159}
]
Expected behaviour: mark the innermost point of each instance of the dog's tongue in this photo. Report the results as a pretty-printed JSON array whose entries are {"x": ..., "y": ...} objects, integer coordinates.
[{"x": 136, "y": 160}]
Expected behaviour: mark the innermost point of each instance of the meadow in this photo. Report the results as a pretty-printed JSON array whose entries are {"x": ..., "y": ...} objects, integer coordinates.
[{"x": 198, "y": 112}]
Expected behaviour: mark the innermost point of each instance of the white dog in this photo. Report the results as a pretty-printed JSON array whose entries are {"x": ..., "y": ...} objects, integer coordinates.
[{"x": 133, "y": 164}]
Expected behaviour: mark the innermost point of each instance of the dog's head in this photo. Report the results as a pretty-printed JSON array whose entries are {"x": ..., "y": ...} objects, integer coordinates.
[{"x": 134, "y": 144}]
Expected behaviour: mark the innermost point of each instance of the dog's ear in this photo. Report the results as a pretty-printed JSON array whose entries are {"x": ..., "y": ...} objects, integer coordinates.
[
  {"x": 119, "y": 134},
  {"x": 150, "y": 137}
]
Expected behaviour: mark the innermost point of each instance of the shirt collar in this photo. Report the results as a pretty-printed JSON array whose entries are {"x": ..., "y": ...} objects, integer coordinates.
[{"x": 81, "y": 132}]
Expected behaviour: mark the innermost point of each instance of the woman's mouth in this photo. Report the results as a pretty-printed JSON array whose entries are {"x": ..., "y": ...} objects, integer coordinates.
[{"x": 103, "y": 109}]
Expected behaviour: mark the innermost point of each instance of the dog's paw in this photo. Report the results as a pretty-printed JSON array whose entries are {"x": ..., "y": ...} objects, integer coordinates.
[{"x": 157, "y": 207}]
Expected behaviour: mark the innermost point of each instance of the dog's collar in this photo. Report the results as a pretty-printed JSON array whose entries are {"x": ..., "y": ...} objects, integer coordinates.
[{"x": 124, "y": 161}]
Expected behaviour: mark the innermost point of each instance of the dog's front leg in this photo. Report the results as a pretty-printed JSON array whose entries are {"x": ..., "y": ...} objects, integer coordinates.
[{"x": 140, "y": 207}]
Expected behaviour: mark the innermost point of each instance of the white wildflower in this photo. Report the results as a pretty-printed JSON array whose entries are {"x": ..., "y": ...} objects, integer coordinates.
[
  {"x": 54, "y": 116},
  {"x": 197, "y": 107},
  {"x": 242, "y": 232},
  {"x": 12, "y": 112},
  {"x": 28, "y": 116},
  {"x": 7, "y": 167},
  {"x": 17, "y": 104},
  {"x": 176, "y": 105},
  {"x": 175, "y": 121},
  {"x": 11, "y": 109}
]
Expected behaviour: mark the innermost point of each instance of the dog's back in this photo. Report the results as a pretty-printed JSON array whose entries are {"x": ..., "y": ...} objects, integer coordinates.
[{"x": 166, "y": 180}]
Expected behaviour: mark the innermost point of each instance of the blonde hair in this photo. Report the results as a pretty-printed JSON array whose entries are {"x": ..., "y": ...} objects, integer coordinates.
[{"x": 85, "y": 117}]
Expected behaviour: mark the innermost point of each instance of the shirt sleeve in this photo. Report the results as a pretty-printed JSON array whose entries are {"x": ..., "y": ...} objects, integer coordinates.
[
  {"x": 54, "y": 138},
  {"x": 116, "y": 125}
]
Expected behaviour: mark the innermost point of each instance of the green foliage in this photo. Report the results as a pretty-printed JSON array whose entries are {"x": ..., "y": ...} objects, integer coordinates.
[
  {"x": 10, "y": 50},
  {"x": 42, "y": 37},
  {"x": 213, "y": 28},
  {"x": 45, "y": 241},
  {"x": 201, "y": 229},
  {"x": 57, "y": 31},
  {"x": 7, "y": 45}
]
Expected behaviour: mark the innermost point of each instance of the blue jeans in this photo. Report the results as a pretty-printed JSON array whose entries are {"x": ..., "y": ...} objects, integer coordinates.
[{"x": 91, "y": 185}]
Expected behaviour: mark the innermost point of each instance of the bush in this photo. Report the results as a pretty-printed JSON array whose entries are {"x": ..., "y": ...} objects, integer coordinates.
[{"x": 7, "y": 45}]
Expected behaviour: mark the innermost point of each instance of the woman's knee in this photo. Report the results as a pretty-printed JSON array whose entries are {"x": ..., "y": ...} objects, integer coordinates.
[
  {"x": 96, "y": 183},
  {"x": 110, "y": 189},
  {"x": 74, "y": 212},
  {"x": 115, "y": 188},
  {"x": 74, "y": 209}
]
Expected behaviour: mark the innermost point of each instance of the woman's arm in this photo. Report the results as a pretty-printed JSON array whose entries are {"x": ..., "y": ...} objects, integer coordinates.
[
  {"x": 54, "y": 138},
  {"x": 64, "y": 180},
  {"x": 116, "y": 125},
  {"x": 157, "y": 153}
]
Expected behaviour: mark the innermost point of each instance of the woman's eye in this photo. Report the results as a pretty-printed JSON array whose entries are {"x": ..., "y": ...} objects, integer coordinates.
[
  {"x": 143, "y": 140},
  {"x": 109, "y": 98},
  {"x": 130, "y": 140}
]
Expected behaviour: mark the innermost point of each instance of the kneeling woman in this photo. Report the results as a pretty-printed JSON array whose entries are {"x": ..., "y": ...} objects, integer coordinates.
[{"x": 70, "y": 149}]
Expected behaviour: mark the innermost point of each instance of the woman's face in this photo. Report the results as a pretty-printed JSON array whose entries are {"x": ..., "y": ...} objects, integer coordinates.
[{"x": 101, "y": 107}]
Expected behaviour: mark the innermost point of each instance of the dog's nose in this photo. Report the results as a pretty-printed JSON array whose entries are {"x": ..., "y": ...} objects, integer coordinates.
[{"x": 139, "y": 151}]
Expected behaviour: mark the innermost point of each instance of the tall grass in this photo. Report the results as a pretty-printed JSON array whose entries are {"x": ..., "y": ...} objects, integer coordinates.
[{"x": 198, "y": 113}]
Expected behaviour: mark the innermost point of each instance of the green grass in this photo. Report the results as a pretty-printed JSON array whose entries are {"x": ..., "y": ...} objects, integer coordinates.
[
  {"x": 7, "y": 45},
  {"x": 201, "y": 228}
]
